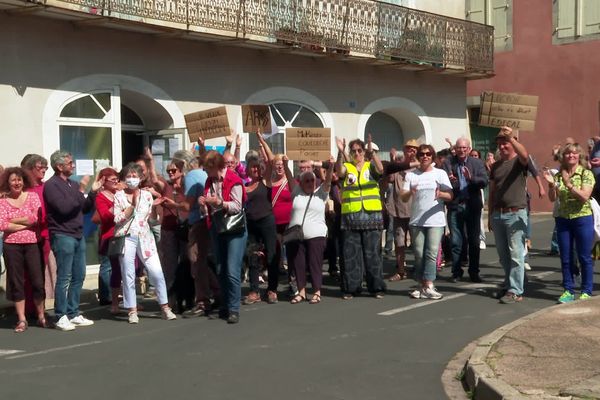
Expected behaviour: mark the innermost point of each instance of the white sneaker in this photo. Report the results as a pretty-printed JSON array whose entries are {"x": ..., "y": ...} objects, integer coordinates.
[
  {"x": 64, "y": 324},
  {"x": 415, "y": 294},
  {"x": 133, "y": 317},
  {"x": 527, "y": 267},
  {"x": 482, "y": 245},
  {"x": 80, "y": 320},
  {"x": 168, "y": 314},
  {"x": 431, "y": 293}
]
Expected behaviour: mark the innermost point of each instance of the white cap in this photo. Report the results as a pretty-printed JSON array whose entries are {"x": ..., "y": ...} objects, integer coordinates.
[{"x": 374, "y": 147}]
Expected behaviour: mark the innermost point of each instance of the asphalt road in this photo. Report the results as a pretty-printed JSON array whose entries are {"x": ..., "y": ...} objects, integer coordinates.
[{"x": 358, "y": 349}]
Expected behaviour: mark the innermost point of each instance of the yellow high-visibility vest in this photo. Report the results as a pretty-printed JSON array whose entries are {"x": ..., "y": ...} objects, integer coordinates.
[{"x": 361, "y": 191}]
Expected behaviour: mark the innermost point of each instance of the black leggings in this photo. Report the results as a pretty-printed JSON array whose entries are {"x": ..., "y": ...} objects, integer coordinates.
[{"x": 263, "y": 230}]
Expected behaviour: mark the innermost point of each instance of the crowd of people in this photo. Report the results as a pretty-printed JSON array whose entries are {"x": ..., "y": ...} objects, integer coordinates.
[{"x": 216, "y": 219}]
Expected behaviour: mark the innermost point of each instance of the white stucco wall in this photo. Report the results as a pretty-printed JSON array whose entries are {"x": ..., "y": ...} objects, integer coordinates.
[{"x": 189, "y": 76}]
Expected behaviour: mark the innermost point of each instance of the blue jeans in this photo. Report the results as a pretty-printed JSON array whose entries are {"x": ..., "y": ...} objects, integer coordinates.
[
  {"x": 465, "y": 226},
  {"x": 230, "y": 251},
  {"x": 426, "y": 244},
  {"x": 509, "y": 231},
  {"x": 70, "y": 273},
  {"x": 581, "y": 231},
  {"x": 104, "y": 291}
]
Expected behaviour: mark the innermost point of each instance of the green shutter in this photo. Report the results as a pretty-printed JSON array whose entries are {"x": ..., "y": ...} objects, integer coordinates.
[
  {"x": 499, "y": 16},
  {"x": 476, "y": 11},
  {"x": 591, "y": 17},
  {"x": 567, "y": 12}
]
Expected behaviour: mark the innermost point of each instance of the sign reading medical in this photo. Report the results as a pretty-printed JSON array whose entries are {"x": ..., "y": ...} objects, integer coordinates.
[
  {"x": 208, "y": 124},
  {"x": 256, "y": 117},
  {"x": 508, "y": 109},
  {"x": 308, "y": 143}
]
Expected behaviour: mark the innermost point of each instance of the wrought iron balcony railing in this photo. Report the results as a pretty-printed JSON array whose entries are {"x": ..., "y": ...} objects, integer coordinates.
[{"x": 361, "y": 28}]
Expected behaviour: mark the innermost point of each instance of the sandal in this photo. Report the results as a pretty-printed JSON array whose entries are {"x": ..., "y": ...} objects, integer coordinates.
[
  {"x": 42, "y": 323},
  {"x": 298, "y": 299},
  {"x": 316, "y": 299},
  {"x": 21, "y": 326},
  {"x": 398, "y": 277}
]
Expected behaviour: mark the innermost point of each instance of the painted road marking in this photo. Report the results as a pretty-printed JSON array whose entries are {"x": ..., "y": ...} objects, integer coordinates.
[
  {"x": 470, "y": 287},
  {"x": 7, "y": 352}
]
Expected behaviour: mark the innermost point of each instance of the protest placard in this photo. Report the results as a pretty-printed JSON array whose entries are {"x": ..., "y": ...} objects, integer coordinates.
[
  {"x": 508, "y": 109},
  {"x": 308, "y": 143},
  {"x": 256, "y": 117},
  {"x": 208, "y": 124}
]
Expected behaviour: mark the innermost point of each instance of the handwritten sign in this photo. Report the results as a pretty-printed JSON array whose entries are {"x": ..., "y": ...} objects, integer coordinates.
[
  {"x": 508, "y": 109},
  {"x": 256, "y": 116},
  {"x": 308, "y": 143},
  {"x": 208, "y": 124}
]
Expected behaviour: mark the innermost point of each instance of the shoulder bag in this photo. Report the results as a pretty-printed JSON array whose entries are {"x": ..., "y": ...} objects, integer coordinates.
[
  {"x": 228, "y": 224},
  {"x": 116, "y": 244},
  {"x": 295, "y": 233}
]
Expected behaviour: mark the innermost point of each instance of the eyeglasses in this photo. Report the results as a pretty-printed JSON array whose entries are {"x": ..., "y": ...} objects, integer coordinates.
[
  {"x": 424, "y": 154},
  {"x": 41, "y": 168},
  {"x": 172, "y": 171},
  {"x": 357, "y": 151}
]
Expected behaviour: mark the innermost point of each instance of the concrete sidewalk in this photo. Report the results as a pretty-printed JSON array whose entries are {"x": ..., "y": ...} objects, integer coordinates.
[{"x": 551, "y": 354}]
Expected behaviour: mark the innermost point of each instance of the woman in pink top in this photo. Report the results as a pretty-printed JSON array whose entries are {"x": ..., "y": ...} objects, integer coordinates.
[
  {"x": 281, "y": 201},
  {"x": 19, "y": 213}
]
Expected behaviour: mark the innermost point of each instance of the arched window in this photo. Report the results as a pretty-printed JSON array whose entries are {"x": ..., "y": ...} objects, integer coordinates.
[
  {"x": 86, "y": 125},
  {"x": 288, "y": 115}
]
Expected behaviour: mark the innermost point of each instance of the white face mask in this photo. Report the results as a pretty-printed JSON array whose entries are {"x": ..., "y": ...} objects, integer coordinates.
[{"x": 132, "y": 183}]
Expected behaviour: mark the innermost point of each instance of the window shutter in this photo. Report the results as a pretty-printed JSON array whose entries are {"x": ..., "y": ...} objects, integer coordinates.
[
  {"x": 591, "y": 17},
  {"x": 476, "y": 11},
  {"x": 567, "y": 11},
  {"x": 499, "y": 14}
]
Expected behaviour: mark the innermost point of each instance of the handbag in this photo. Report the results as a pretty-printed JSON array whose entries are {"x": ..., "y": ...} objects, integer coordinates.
[
  {"x": 116, "y": 244},
  {"x": 296, "y": 233},
  {"x": 226, "y": 224}
]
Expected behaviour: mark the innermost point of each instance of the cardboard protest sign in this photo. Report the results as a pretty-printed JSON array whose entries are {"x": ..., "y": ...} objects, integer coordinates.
[
  {"x": 208, "y": 124},
  {"x": 508, "y": 109},
  {"x": 256, "y": 117},
  {"x": 308, "y": 143}
]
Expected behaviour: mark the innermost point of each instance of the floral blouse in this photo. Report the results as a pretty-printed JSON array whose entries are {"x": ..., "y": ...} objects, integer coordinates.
[
  {"x": 570, "y": 207},
  {"x": 30, "y": 209},
  {"x": 138, "y": 224}
]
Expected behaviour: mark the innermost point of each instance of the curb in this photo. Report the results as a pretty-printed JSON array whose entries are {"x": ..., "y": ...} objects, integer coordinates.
[{"x": 479, "y": 377}]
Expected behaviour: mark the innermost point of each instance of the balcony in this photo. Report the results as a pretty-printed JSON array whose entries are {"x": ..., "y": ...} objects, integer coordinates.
[{"x": 354, "y": 30}]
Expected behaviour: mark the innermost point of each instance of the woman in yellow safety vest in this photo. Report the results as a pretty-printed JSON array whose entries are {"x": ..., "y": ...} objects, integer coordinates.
[{"x": 362, "y": 221}]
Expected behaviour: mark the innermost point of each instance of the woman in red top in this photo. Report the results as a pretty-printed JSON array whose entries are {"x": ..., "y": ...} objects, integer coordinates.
[
  {"x": 281, "y": 201},
  {"x": 19, "y": 213},
  {"x": 109, "y": 277}
]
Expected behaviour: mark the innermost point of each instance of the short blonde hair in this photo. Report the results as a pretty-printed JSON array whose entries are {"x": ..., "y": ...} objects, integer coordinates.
[{"x": 573, "y": 148}]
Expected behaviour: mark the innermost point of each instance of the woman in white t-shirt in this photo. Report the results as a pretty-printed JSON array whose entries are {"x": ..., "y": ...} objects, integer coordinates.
[
  {"x": 308, "y": 211},
  {"x": 429, "y": 188}
]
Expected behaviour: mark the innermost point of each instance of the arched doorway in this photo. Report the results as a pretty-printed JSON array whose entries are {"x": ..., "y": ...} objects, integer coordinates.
[
  {"x": 106, "y": 120},
  {"x": 386, "y": 133}
]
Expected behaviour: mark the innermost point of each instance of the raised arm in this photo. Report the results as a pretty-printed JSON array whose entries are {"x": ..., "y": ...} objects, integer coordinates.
[
  {"x": 288, "y": 174},
  {"x": 374, "y": 156},
  {"x": 340, "y": 170},
  {"x": 238, "y": 147},
  {"x": 328, "y": 175},
  {"x": 265, "y": 146}
]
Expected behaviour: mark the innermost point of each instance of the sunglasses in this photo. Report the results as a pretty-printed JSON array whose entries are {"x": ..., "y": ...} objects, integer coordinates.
[
  {"x": 424, "y": 154},
  {"x": 172, "y": 171},
  {"x": 357, "y": 151}
]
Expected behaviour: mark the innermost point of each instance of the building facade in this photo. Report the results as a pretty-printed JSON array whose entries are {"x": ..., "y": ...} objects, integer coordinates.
[
  {"x": 550, "y": 49},
  {"x": 103, "y": 79}
]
